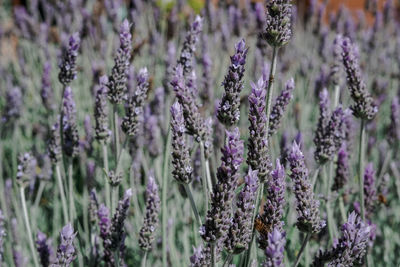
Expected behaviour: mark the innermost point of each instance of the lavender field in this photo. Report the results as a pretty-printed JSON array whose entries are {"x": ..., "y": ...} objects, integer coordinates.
[{"x": 173, "y": 133}]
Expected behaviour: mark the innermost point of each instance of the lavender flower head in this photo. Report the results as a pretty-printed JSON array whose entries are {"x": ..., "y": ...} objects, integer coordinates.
[
  {"x": 189, "y": 45},
  {"x": 101, "y": 111},
  {"x": 275, "y": 248},
  {"x": 66, "y": 252},
  {"x": 228, "y": 111},
  {"x": 118, "y": 221},
  {"x": 273, "y": 207},
  {"x": 342, "y": 169},
  {"x": 70, "y": 129},
  {"x": 279, "y": 108},
  {"x": 278, "y": 22},
  {"x": 105, "y": 233},
  {"x": 240, "y": 231},
  {"x": 46, "y": 91},
  {"x": 54, "y": 145},
  {"x": 336, "y": 53},
  {"x": 117, "y": 83},
  {"x": 257, "y": 155},
  {"x": 351, "y": 247},
  {"x": 13, "y": 107},
  {"x": 134, "y": 107},
  {"x": 308, "y": 218},
  {"x": 180, "y": 153},
  {"x": 323, "y": 119},
  {"x": 364, "y": 106},
  {"x": 199, "y": 257},
  {"x": 332, "y": 138},
  {"x": 193, "y": 120},
  {"x": 26, "y": 169},
  {"x": 150, "y": 224},
  {"x": 370, "y": 194},
  {"x": 68, "y": 63},
  {"x": 218, "y": 216},
  {"x": 44, "y": 249}
]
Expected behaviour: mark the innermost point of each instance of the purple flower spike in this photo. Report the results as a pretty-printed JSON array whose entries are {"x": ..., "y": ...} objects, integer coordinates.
[
  {"x": 105, "y": 234},
  {"x": 336, "y": 64},
  {"x": 364, "y": 106},
  {"x": 323, "y": 120},
  {"x": 46, "y": 91},
  {"x": 54, "y": 145},
  {"x": 66, "y": 252},
  {"x": 101, "y": 111},
  {"x": 273, "y": 207},
  {"x": 193, "y": 120},
  {"x": 134, "y": 106},
  {"x": 350, "y": 248},
  {"x": 279, "y": 108},
  {"x": 68, "y": 63},
  {"x": 189, "y": 46},
  {"x": 70, "y": 129},
  {"x": 150, "y": 224},
  {"x": 180, "y": 153},
  {"x": 218, "y": 218},
  {"x": 26, "y": 169},
  {"x": 308, "y": 218},
  {"x": 228, "y": 111},
  {"x": 275, "y": 248},
  {"x": 343, "y": 169},
  {"x": 117, "y": 83},
  {"x": 278, "y": 22},
  {"x": 44, "y": 249},
  {"x": 257, "y": 155},
  {"x": 370, "y": 194},
  {"x": 240, "y": 231},
  {"x": 13, "y": 106}
]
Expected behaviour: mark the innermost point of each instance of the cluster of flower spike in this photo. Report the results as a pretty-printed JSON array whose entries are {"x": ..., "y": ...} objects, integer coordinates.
[
  {"x": 68, "y": 63},
  {"x": 308, "y": 218},
  {"x": 257, "y": 155},
  {"x": 364, "y": 106},
  {"x": 239, "y": 234},
  {"x": 70, "y": 143},
  {"x": 218, "y": 216},
  {"x": 228, "y": 111},
  {"x": 66, "y": 252},
  {"x": 101, "y": 110},
  {"x": 278, "y": 22},
  {"x": 350, "y": 248},
  {"x": 118, "y": 79},
  {"x": 180, "y": 153},
  {"x": 134, "y": 107}
]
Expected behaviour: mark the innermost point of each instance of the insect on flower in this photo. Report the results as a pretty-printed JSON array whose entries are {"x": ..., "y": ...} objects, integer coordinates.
[{"x": 261, "y": 226}]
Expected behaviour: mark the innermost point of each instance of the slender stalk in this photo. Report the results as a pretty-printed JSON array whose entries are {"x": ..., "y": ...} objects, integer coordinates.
[
  {"x": 305, "y": 241},
  {"x": 164, "y": 212},
  {"x": 337, "y": 95},
  {"x": 193, "y": 204},
  {"x": 116, "y": 133},
  {"x": 315, "y": 176},
  {"x": 143, "y": 264},
  {"x": 71, "y": 192},
  {"x": 327, "y": 178},
  {"x": 62, "y": 193},
  {"x": 62, "y": 127},
  {"x": 28, "y": 226},
  {"x": 342, "y": 209},
  {"x": 114, "y": 198},
  {"x": 205, "y": 173},
  {"x": 206, "y": 184},
  {"x": 106, "y": 169},
  {"x": 116, "y": 257},
  {"x": 227, "y": 260},
  {"x": 361, "y": 168},
  {"x": 39, "y": 194},
  {"x": 213, "y": 258},
  {"x": 120, "y": 154}
]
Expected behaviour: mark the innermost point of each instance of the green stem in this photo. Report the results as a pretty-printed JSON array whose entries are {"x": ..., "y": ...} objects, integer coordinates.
[
  {"x": 207, "y": 186},
  {"x": 327, "y": 178},
  {"x": 116, "y": 257},
  {"x": 227, "y": 260},
  {"x": 106, "y": 169},
  {"x": 71, "y": 192},
  {"x": 116, "y": 133},
  {"x": 305, "y": 241},
  {"x": 315, "y": 176},
  {"x": 342, "y": 209},
  {"x": 361, "y": 168},
  {"x": 337, "y": 95},
  {"x": 143, "y": 264},
  {"x": 28, "y": 226},
  {"x": 42, "y": 185},
  {"x": 213, "y": 258},
  {"x": 62, "y": 193},
  {"x": 193, "y": 204},
  {"x": 114, "y": 198},
  {"x": 164, "y": 212}
]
